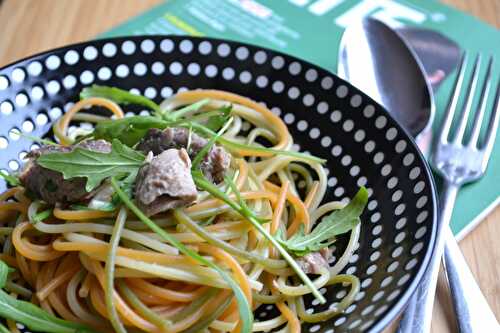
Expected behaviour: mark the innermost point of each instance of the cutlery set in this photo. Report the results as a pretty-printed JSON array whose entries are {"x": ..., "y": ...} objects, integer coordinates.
[{"x": 457, "y": 158}]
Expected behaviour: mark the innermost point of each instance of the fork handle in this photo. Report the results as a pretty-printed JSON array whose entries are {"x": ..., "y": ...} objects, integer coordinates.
[
  {"x": 472, "y": 311},
  {"x": 418, "y": 315}
]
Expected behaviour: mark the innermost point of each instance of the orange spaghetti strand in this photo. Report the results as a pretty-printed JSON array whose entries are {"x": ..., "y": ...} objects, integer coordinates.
[
  {"x": 10, "y": 193},
  {"x": 17, "y": 206},
  {"x": 56, "y": 282},
  {"x": 239, "y": 273},
  {"x": 291, "y": 317},
  {"x": 214, "y": 203},
  {"x": 34, "y": 267},
  {"x": 243, "y": 173},
  {"x": 279, "y": 206},
  {"x": 165, "y": 293},
  {"x": 130, "y": 316},
  {"x": 42, "y": 279},
  {"x": 152, "y": 299},
  {"x": 7, "y": 211},
  {"x": 55, "y": 291},
  {"x": 9, "y": 260},
  {"x": 22, "y": 264},
  {"x": 81, "y": 214},
  {"x": 30, "y": 250},
  {"x": 278, "y": 212},
  {"x": 97, "y": 300},
  {"x": 274, "y": 121},
  {"x": 311, "y": 194},
  {"x": 60, "y": 128},
  {"x": 12, "y": 326},
  {"x": 126, "y": 313},
  {"x": 301, "y": 213},
  {"x": 102, "y": 249},
  {"x": 83, "y": 292}
]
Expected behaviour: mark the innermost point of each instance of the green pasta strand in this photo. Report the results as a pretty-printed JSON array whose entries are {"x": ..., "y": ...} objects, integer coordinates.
[
  {"x": 195, "y": 305},
  {"x": 142, "y": 309},
  {"x": 200, "y": 231},
  {"x": 325, "y": 315},
  {"x": 203, "y": 324},
  {"x": 110, "y": 270}
]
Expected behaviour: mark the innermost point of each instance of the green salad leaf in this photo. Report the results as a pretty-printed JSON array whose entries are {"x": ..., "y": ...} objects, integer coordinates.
[
  {"x": 10, "y": 179},
  {"x": 128, "y": 130},
  {"x": 39, "y": 217},
  {"x": 173, "y": 115},
  {"x": 95, "y": 166},
  {"x": 216, "y": 122},
  {"x": 235, "y": 146},
  {"x": 31, "y": 315},
  {"x": 204, "y": 151},
  {"x": 35, "y": 318},
  {"x": 4, "y": 272},
  {"x": 131, "y": 130},
  {"x": 323, "y": 235},
  {"x": 4, "y": 329},
  {"x": 119, "y": 96},
  {"x": 37, "y": 139}
]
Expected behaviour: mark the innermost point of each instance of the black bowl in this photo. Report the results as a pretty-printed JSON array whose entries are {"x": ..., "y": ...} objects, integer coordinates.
[{"x": 327, "y": 116}]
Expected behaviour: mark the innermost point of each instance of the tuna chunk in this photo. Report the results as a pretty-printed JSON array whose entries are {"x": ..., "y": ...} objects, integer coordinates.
[
  {"x": 215, "y": 163},
  {"x": 312, "y": 263},
  {"x": 49, "y": 185},
  {"x": 165, "y": 182}
]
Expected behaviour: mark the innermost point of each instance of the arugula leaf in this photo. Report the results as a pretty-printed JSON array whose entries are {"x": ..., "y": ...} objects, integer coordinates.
[
  {"x": 235, "y": 146},
  {"x": 35, "y": 318},
  {"x": 4, "y": 272},
  {"x": 127, "y": 185},
  {"x": 189, "y": 108},
  {"x": 244, "y": 207},
  {"x": 4, "y": 329},
  {"x": 246, "y": 314},
  {"x": 216, "y": 122},
  {"x": 203, "y": 183},
  {"x": 119, "y": 96},
  {"x": 103, "y": 208},
  {"x": 31, "y": 315},
  {"x": 42, "y": 215},
  {"x": 12, "y": 180},
  {"x": 95, "y": 166},
  {"x": 128, "y": 130},
  {"x": 131, "y": 130},
  {"x": 37, "y": 139},
  {"x": 323, "y": 235},
  {"x": 204, "y": 151}
]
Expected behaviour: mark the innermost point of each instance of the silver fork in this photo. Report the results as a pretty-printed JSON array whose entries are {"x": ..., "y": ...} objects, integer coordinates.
[{"x": 457, "y": 163}]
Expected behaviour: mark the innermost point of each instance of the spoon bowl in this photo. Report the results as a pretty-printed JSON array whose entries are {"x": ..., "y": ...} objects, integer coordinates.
[{"x": 376, "y": 59}]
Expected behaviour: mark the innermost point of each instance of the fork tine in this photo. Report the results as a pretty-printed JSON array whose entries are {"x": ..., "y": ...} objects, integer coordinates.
[
  {"x": 452, "y": 104},
  {"x": 464, "y": 115},
  {"x": 478, "y": 118},
  {"x": 493, "y": 125}
]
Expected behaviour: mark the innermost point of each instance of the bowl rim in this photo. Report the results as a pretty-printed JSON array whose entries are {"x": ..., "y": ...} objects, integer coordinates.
[{"x": 405, "y": 297}]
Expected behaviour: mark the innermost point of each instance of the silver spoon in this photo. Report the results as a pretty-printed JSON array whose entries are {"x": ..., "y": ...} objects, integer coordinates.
[{"x": 377, "y": 60}]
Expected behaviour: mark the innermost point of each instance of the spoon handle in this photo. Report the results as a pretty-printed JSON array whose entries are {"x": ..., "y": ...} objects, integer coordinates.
[
  {"x": 418, "y": 315},
  {"x": 472, "y": 311}
]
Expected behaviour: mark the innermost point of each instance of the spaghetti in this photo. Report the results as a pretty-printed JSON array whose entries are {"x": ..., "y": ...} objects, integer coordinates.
[{"x": 105, "y": 269}]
